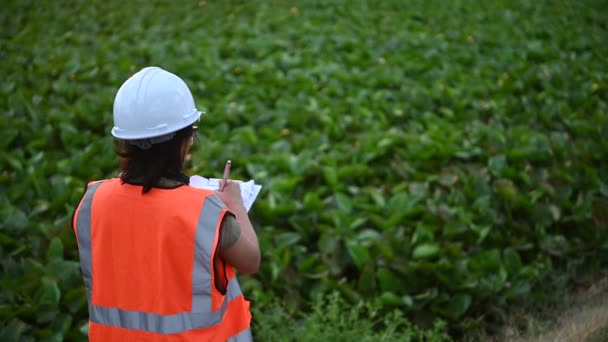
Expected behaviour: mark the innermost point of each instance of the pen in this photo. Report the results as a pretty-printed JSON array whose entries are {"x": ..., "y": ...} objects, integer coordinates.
[{"x": 226, "y": 173}]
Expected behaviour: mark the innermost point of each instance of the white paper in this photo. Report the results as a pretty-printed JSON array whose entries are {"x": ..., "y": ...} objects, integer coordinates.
[{"x": 249, "y": 190}]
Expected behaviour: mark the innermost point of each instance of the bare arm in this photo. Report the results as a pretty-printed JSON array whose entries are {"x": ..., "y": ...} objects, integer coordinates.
[{"x": 244, "y": 254}]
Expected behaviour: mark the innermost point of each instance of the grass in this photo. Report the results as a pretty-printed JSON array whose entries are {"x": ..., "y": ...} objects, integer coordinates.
[
  {"x": 586, "y": 320},
  {"x": 333, "y": 319},
  {"x": 580, "y": 315}
]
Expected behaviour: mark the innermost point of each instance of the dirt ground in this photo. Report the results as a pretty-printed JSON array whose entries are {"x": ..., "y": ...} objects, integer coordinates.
[{"x": 586, "y": 320}]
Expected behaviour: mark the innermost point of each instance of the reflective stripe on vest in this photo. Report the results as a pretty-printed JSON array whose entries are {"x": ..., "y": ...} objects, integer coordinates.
[
  {"x": 201, "y": 278},
  {"x": 243, "y": 336}
]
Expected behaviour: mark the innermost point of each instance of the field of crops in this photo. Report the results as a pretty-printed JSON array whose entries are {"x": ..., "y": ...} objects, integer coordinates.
[{"x": 427, "y": 165}]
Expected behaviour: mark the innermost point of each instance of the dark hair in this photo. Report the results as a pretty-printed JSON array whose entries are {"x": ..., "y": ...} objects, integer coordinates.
[{"x": 163, "y": 160}]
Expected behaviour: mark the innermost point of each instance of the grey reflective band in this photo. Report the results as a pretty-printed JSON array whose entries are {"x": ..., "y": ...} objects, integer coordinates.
[
  {"x": 203, "y": 252},
  {"x": 83, "y": 225},
  {"x": 243, "y": 336},
  {"x": 201, "y": 315},
  {"x": 162, "y": 324},
  {"x": 233, "y": 289}
]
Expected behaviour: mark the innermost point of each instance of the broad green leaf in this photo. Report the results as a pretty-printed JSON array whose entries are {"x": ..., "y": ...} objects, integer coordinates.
[
  {"x": 312, "y": 201},
  {"x": 512, "y": 261},
  {"x": 14, "y": 219},
  {"x": 55, "y": 249},
  {"x": 287, "y": 239},
  {"x": 506, "y": 189},
  {"x": 344, "y": 203},
  {"x": 389, "y": 281},
  {"x": 390, "y": 299},
  {"x": 84, "y": 329},
  {"x": 13, "y": 330},
  {"x": 458, "y": 305},
  {"x": 369, "y": 235},
  {"x": 49, "y": 292},
  {"x": 359, "y": 254},
  {"x": 496, "y": 164},
  {"x": 367, "y": 280},
  {"x": 330, "y": 176},
  {"x": 75, "y": 299},
  {"x": 425, "y": 251},
  {"x": 486, "y": 261},
  {"x": 379, "y": 198}
]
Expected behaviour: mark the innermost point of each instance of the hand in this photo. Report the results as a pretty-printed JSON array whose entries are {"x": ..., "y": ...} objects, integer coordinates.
[{"x": 231, "y": 195}]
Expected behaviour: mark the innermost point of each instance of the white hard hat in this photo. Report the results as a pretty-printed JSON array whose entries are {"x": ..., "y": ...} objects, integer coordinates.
[{"x": 152, "y": 103}]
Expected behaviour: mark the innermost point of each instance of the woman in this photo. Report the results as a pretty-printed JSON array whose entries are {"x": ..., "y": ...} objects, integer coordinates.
[{"x": 157, "y": 255}]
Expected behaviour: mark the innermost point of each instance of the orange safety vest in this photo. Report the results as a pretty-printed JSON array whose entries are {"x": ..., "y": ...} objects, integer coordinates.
[{"x": 147, "y": 264}]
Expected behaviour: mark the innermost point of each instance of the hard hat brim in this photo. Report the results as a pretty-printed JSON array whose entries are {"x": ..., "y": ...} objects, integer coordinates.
[{"x": 157, "y": 131}]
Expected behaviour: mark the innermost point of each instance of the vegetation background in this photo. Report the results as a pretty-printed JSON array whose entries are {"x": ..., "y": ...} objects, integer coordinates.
[{"x": 428, "y": 166}]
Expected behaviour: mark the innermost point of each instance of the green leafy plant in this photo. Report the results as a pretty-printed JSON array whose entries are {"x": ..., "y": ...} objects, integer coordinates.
[
  {"x": 333, "y": 319},
  {"x": 447, "y": 160}
]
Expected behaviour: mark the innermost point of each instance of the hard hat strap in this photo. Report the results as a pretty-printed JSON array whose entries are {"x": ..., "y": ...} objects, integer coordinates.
[{"x": 146, "y": 143}]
